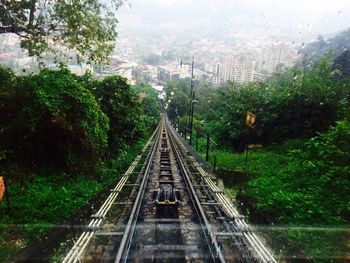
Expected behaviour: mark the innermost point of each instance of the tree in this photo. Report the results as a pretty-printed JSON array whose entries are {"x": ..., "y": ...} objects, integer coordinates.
[
  {"x": 88, "y": 27},
  {"x": 150, "y": 104},
  {"x": 342, "y": 65},
  {"x": 178, "y": 105},
  {"x": 182, "y": 85},
  {"x": 50, "y": 119},
  {"x": 289, "y": 105},
  {"x": 153, "y": 59},
  {"x": 123, "y": 109}
]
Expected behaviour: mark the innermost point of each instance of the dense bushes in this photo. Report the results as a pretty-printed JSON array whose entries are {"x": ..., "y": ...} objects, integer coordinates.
[
  {"x": 299, "y": 182},
  {"x": 150, "y": 105},
  {"x": 296, "y": 105},
  {"x": 8, "y": 105},
  {"x": 55, "y": 118},
  {"x": 291, "y": 104},
  {"x": 63, "y": 138},
  {"x": 179, "y": 105},
  {"x": 311, "y": 189},
  {"x": 123, "y": 109},
  {"x": 49, "y": 118}
]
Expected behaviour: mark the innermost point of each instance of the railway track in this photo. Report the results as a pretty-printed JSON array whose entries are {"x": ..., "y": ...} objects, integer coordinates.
[{"x": 173, "y": 212}]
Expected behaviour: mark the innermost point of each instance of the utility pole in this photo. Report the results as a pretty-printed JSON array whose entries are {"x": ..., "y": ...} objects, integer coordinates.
[
  {"x": 192, "y": 112},
  {"x": 191, "y": 96}
]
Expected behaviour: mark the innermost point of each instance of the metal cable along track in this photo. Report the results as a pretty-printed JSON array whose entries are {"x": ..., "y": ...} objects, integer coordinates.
[{"x": 78, "y": 249}]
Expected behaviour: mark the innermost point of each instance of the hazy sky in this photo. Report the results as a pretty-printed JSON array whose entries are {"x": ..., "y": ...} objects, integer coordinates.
[{"x": 303, "y": 18}]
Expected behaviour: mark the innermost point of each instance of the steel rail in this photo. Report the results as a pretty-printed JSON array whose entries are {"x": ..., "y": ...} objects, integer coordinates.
[
  {"x": 79, "y": 246},
  {"x": 263, "y": 254},
  {"x": 204, "y": 222},
  {"x": 125, "y": 244}
]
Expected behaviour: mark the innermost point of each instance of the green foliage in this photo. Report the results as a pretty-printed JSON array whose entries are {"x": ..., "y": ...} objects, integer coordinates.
[
  {"x": 51, "y": 197},
  {"x": 52, "y": 128},
  {"x": 7, "y": 80},
  {"x": 153, "y": 59},
  {"x": 49, "y": 118},
  {"x": 179, "y": 105},
  {"x": 89, "y": 27},
  {"x": 301, "y": 185},
  {"x": 294, "y": 105},
  {"x": 311, "y": 189},
  {"x": 120, "y": 103},
  {"x": 150, "y": 105},
  {"x": 314, "y": 51},
  {"x": 8, "y": 103},
  {"x": 182, "y": 85},
  {"x": 261, "y": 162},
  {"x": 342, "y": 65}
]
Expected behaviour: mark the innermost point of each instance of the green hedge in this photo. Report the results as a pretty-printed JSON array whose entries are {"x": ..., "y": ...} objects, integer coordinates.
[{"x": 49, "y": 118}]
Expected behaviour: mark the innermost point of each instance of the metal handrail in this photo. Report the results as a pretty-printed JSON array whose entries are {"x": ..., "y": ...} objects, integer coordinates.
[{"x": 211, "y": 144}]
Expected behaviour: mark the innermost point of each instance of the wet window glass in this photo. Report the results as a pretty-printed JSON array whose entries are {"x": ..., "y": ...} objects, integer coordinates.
[{"x": 174, "y": 131}]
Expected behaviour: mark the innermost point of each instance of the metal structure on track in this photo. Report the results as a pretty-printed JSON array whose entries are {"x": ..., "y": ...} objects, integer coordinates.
[{"x": 175, "y": 213}]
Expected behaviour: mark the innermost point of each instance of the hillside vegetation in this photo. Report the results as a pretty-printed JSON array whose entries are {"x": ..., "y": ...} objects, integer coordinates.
[
  {"x": 63, "y": 138},
  {"x": 301, "y": 176}
]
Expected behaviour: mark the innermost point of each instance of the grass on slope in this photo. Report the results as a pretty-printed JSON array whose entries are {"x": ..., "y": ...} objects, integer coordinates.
[
  {"x": 310, "y": 213},
  {"x": 50, "y": 197}
]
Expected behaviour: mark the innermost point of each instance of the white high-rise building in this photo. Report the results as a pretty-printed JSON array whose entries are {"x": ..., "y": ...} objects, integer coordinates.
[
  {"x": 239, "y": 69},
  {"x": 276, "y": 55},
  {"x": 214, "y": 71},
  {"x": 229, "y": 69},
  {"x": 214, "y": 68}
]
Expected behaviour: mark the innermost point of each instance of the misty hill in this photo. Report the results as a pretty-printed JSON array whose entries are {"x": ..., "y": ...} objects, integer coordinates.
[{"x": 312, "y": 52}]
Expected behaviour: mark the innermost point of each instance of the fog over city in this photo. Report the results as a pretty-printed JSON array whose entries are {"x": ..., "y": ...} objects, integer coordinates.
[
  {"x": 229, "y": 38},
  {"x": 302, "y": 20}
]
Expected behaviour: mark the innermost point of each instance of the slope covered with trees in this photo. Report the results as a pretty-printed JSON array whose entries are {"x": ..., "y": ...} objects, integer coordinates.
[
  {"x": 151, "y": 105},
  {"x": 301, "y": 176},
  {"x": 297, "y": 105},
  {"x": 314, "y": 51},
  {"x": 63, "y": 138}
]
